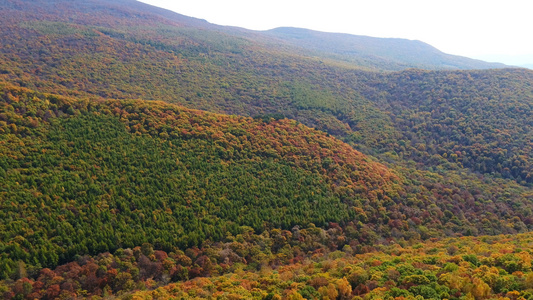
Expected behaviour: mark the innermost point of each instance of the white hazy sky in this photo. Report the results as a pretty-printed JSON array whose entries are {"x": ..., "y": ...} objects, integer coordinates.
[{"x": 489, "y": 30}]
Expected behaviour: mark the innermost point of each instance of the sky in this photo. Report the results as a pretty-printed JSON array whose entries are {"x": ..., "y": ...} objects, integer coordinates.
[{"x": 489, "y": 30}]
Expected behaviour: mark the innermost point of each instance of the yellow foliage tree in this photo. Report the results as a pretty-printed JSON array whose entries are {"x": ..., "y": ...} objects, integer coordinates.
[
  {"x": 328, "y": 292},
  {"x": 480, "y": 290},
  {"x": 344, "y": 288}
]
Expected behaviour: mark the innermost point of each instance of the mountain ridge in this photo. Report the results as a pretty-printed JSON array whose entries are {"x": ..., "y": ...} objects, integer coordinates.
[
  {"x": 389, "y": 54},
  {"x": 366, "y": 50}
]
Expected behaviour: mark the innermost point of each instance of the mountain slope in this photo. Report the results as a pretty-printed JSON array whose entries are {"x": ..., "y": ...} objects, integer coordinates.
[
  {"x": 88, "y": 177},
  {"x": 216, "y": 69},
  {"x": 115, "y": 51},
  {"x": 88, "y": 170},
  {"x": 482, "y": 267},
  {"x": 92, "y": 176},
  {"x": 378, "y": 53},
  {"x": 126, "y": 52},
  {"x": 482, "y": 120}
]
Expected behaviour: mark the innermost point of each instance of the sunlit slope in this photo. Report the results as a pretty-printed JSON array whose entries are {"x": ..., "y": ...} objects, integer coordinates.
[
  {"x": 480, "y": 268},
  {"x": 277, "y": 266},
  {"x": 91, "y": 176}
]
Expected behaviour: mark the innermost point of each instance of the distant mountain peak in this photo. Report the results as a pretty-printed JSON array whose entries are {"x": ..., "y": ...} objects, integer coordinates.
[{"x": 379, "y": 53}]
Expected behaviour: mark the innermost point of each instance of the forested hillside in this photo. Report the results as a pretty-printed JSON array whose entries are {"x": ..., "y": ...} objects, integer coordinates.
[
  {"x": 92, "y": 176},
  {"x": 86, "y": 177},
  {"x": 188, "y": 149},
  {"x": 278, "y": 265},
  {"x": 480, "y": 119}
]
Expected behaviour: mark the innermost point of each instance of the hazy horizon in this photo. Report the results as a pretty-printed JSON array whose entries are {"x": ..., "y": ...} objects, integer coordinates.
[{"x": 485, "y": 30}]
